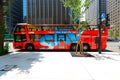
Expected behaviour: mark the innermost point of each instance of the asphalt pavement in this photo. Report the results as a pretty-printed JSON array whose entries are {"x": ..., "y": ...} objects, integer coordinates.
[
  {"x": 21, "y": 65},
  {"x": 113, "y": 46}
]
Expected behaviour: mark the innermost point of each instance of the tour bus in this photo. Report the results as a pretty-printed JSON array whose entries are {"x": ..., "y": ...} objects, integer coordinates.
[{"x": 57, "y": 37}]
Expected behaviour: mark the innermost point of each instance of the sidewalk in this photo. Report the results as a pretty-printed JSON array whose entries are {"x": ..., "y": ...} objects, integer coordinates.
[{"x": 60, "y": 66}]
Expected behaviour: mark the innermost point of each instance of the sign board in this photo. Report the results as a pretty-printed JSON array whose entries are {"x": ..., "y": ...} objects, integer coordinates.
[{"x": 103, "y": 16}]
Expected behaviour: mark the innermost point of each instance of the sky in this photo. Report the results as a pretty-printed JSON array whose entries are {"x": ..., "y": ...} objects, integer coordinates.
[{"x": 24, "y": 7}]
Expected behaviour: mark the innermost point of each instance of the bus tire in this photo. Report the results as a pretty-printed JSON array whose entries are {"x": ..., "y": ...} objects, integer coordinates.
[
  {"x": 29, "y": 47},
  {"x": 73, "y": 47},
  {"x": 86, "y": 47}
]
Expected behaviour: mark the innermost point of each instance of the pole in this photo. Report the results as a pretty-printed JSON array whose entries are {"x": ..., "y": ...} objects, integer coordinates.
[{"x": 99, "y": 27}]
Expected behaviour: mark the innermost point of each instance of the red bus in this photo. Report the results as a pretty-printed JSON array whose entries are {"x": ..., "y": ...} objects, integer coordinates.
[{"x": 57, "y": 37}]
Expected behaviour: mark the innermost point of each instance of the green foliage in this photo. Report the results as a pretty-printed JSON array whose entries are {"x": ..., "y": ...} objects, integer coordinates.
[
  {"x": 72, "y": 4},
  {"x": 5, "y": 6},
  {"x": 5, "y": 10},
  {"x": 86, "y": 3},
  {"x": 110, "y": 33},
  {"x": 114, "y": 33},
  {"x": 78, "y": 7},
  {"x": 5, "y": 49},
  {"x": 119, "y": 47},
  {"x": 1, "y": 50},
  {"x": 83, "y": 24}
]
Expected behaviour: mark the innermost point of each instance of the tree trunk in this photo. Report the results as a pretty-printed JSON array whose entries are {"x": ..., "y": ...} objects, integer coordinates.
[{"x": 1, "y": 28}]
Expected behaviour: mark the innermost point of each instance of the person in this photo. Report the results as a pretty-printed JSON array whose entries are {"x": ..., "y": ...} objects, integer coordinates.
[
  {"x": 42, "y": 28},
  {"x": 22, "y": 29}
]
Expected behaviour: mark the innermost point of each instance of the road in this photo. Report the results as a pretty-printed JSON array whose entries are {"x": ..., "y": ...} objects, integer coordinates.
[
  {"x": 59, "y": 66},
  {"x": 113, "y": 46}
]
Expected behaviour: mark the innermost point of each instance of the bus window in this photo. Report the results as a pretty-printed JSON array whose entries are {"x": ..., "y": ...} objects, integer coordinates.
[
  {"x": 34, "y": 37},
  {"x": 61, "y": 37},
  {"x": 31, "y": 28},
  {"x": 19, "y": 38},
  {"x": 23, "y": 38},
  {"x": 38, "y": 28},
  {"x": 19, "y": 28},
  {"x": 37, "y": 37},
  {"x": 65, "y": 27},
  {"x": 45, "y": 28}
]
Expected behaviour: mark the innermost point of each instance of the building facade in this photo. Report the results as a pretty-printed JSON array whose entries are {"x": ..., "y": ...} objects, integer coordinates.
[
  {"x": 46, "y": 12},
  {"x": 113, "y": 9},
  {"x": 15, "y": 15},
  {"x": 92, "y": 13}
]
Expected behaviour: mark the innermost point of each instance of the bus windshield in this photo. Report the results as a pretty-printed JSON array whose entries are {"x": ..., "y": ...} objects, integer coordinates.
[{"x": 19, "y": 28}]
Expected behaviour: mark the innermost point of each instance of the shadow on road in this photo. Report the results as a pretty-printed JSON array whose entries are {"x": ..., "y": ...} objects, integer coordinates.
[
  {"x": 23, "y": 61},
  {"x": 45, "y": 51},
  {"x": 62, "y": 51},
  {"x": 107, "y": 50}
]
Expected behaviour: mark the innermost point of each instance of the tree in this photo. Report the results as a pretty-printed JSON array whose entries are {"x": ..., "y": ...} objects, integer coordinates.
[
  {"x": 116, "y": 34},
  {"x": 78, "y": 7},
  {"x": 110, "y": 32},
  {"x": 3, "y": 12},
  {"x": 83, "y": 24}
]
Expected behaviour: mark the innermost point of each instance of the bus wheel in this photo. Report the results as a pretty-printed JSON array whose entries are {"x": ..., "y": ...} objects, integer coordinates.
[
  {"x": 73, "y": 47},
  {"x": 29, "y": 47},
  {"x": 86, "y": 47}
]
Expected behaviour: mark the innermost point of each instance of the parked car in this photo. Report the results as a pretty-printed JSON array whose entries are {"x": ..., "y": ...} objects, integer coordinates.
[{"x": 110, "y": 39}]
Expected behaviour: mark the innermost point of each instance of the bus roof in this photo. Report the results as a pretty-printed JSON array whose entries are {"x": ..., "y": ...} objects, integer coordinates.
[
  {"x": 22, "y": 24},
  {"x": 60, "y": 25},
  {"x": 55, "y": 25}
]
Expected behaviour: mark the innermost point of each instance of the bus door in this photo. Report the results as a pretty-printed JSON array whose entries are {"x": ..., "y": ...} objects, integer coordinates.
[{"x": 61, "y": 39}]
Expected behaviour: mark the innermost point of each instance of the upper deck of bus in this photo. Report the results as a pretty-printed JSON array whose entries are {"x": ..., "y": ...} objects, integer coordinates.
[
  {"x": 40, "y": 27},
  {"x": 52, "y": 28},
  {"x": 44, "y": 28}
]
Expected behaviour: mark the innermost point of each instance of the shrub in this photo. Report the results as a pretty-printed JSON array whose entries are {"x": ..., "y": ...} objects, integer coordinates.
[
  {"x": 111, "y": 33},
  {"x": 6, "y": 47},
  {"x": 119, "y": 47}
]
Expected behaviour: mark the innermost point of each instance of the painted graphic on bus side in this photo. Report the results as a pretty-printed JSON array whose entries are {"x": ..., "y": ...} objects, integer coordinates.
[{"x": 60, "y": 39}]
